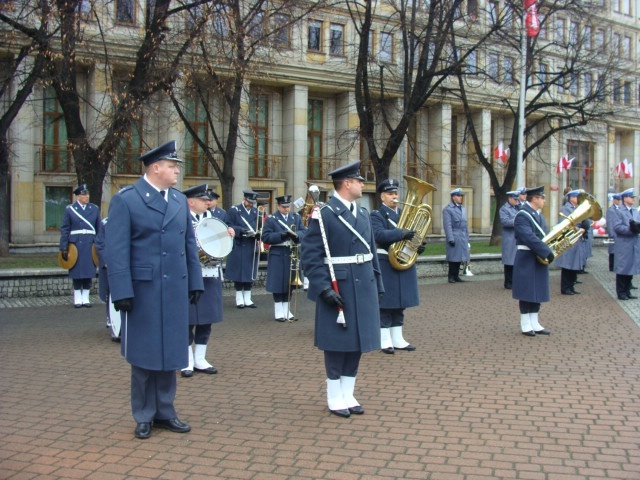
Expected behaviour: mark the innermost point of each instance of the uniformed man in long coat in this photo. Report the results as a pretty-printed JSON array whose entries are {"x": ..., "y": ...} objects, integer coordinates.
[
  {"x": 454, "y": 223},
  {"x": 242, "y": 262},
  {"x": 625, "y": 224},
  {"x": 154, "y": 273},
  {"x": 531, "y": 277},
  {"x": 401, "y": 286},
  {"x": 340, "y": 237},
  {"x": 80, "y": 225},
  {"x": 573, "y": 260},
  {"x": 508, "y": 213},
  {"x": 283, "y": 231},
  {"x": 208, "y": 310},
  {"x": 611, "y": 234}
]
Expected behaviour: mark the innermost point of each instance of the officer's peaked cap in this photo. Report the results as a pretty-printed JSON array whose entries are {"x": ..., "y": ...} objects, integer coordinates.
[
  {"x": 199, "y": 191},
  {"x": 388, "y": 185},
  {"x": 284, "y": 200},
  {"x": 536, "y": 191},
  {"x": 627, "y": 193},
  {"x": 166, "y": 151},
  {"x": 348, "y": 171},
  {"x": 81, "y": 189}
]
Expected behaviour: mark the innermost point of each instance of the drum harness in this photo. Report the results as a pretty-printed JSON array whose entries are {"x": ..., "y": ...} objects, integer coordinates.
[{"x": 84, "y": 231}]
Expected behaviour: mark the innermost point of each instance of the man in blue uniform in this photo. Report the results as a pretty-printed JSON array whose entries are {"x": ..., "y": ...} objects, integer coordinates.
[
  {"x": 508, "y": 213},
  {"x": 80, "y": 225},
  {"x": 208, "y": 310},
  {"x": 611, "y": 234},
  {"x": 282, "y": 231},
  {"x": 154, "y": 273},
  {"x": 339, "y": 257},
  {"x": 626, "y": 225},
  {"x": 573, "y": 260},
  {"x": 242, "y": 262},
  {"x": 401, "y": 286},
  {"x": 454, "y": 222},
  {"x": 531, "y": 277}
]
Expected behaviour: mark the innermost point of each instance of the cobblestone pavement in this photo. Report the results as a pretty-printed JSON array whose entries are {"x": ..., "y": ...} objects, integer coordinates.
[{"x": 476, "y": 400}]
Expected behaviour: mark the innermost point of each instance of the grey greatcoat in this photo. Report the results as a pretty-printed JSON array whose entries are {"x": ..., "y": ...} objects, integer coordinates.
[
  {"x": 103, "y": 279},
  {"x": 153, "y": 258},
  {"x": 400, "y": 286},
  {"x": 80, "y": 227},
  {"x": 530, "y": 277},
  {"x": 454, "y": 222},
  {"x": 611, "y": 211},
  {"x": 242, "y": 262},
  {"x": 507, "y": 217},
  {"x": 279, "y": 262},
  {"x": 627, "y": 247},
  {"x": 574, "y": 258},
  {"x": 359, "y": 284}
]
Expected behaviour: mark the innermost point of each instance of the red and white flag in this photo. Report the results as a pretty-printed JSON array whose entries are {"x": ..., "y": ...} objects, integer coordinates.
[
  {"x": 564, "y": 163},
  {"x": 624, "y": 169},
  {"x": 499, "y": 153},
  {"x": 531, "y": 21}
]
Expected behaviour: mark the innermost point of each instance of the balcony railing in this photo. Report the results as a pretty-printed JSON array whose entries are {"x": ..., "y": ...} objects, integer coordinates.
[
  {"x": 55, "y": 158},
  {"x": 266, "y": 166}
]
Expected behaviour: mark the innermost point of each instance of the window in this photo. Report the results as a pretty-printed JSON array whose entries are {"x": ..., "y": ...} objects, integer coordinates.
[
  {"x": 626, "y": 48},
  {"x": 573, "y": 33},
  {"x": 56, "y": 200},
  {"x": 130, "y": 149},
  {"x": 616, "y": 91},
  {"x": 84, "y": 8},
  {"x": 256, "y": 26},
  {"x": 492, "y": 67},
  {"x": 626, "y": 93},
  {"x": 580, "y": 175},
  {"x": 573, "y": 84},
  {"x": 494, "y": 12},
  {"x": 314, "y": 139},
  {"x": 336, "y": 46},
  {"x": 386, "y": 47},
  {"x": 508, "y": 70},
  {"x": 315, "y": 36},
  {"x": 281, "y": 28},
  {"x": 616, "y": 44},
  {"x": 559, "y": 30},
  {"x": 599, "y": 40},
  {"x": 472, "y": 9},
  {"x": 125, "y": 11},
  {"x": 542, "y": 74},
  {"x": 55, "y": 156},
  {"x": 587, "y": 37},
  {"x": 471, "y": 62},
  {"x": 196, "y": 164},
  {"x": 259, "y": 139},
  {"x": 600, "y": 87},
  {"x": 543, "y": 27},
  {"x": 221, "y": 20},
  {"x": 588, "y": 83}
]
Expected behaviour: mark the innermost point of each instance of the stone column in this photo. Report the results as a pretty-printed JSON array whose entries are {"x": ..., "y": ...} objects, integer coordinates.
[
  {"x": 479, "y": 178},
  {"x": 294, "y": 136},
  {"x": 439, "y": 155}
]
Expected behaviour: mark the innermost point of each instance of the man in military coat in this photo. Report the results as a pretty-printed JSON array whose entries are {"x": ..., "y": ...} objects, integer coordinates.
[
  {"x": 401, "y": 286},
  {"x": 340, "y": 240},
  {"x": 154, "y": 273},
  {"x": 531, "y": 277},
  {"x": 80, "y": 225},
  {"x": 611, "y": 234},
  {"x": 625, "y": 224},
  {"x": 507, "y": 214},
  {"x": 283, "y": 231},
  {"x": 574, "y": 259},
  {"x": 242, "y": 262},
  {"x": 454, "y": 222}
]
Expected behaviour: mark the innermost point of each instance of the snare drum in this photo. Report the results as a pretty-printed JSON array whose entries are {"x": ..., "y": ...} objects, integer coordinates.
[{"x": 213, "y": 238}]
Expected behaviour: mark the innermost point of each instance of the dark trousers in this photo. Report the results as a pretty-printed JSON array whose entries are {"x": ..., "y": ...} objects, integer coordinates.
[
  {"x": 199, "y": 333},
  {"x": 528, "y": 307},
  {"x": 152, "y": 394},
  {"x": 508, "y": 276},
  {"x": 454, "y": 269},
  {"x": 623, "y": 285},
  {"x": 241, "y": 286},
  {"x": 81, "y": 284},
  {"x": 568, "y": 279},
  {"x": 341, "y": 364},
  {"x": 611, "y": 262},
  {"x": 391, "y": 317}
]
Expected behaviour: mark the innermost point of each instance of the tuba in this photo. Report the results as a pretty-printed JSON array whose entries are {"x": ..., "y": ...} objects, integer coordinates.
[
  {"x": 416, "y": 217},
  {"x": 565, "y": 234}
]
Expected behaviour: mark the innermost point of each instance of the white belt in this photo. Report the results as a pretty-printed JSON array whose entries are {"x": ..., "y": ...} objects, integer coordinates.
[
  {"x": 283, "y": 244},
  {"x": 382, "y": 252},
  {"x": 523, "y": 247},
  {"x": 357, "y": 259},
  {"x": 79, "y": 232}
]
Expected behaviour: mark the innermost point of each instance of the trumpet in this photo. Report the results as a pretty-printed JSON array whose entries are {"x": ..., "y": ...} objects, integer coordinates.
[{"x": 294, "y": 266}]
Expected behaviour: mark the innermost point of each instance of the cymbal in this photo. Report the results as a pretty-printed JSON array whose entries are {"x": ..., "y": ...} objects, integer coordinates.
[{"x": 72, "y": 257}]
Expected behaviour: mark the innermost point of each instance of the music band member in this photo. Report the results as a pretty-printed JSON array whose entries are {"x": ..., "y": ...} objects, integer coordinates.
[
  {"x": 339, "y": 257},
  {"x": 616, "y": 199},
  {"x": 530, "y": 277},
  {"x": 401, "y": 286},
  {"x": 454, "y": 223},
  {"x": 154, "y": 273},
  {"x": 574, "y": 259},
  {"x": 282, "y": 231},
  {"x": 626, "y": 225},
  {"x": 508, "y": 213},
  {"x": 80, "y": 225},
  {"x": 242, "y": 262},
  {"x": 208, "y": 310}
]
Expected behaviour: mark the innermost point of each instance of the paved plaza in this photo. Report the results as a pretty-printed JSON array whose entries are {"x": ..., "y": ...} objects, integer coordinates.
[{"x": 476, "y": 400}]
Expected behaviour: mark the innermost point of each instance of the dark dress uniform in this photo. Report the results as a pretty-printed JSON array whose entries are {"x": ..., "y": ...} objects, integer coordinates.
[
  {"x": 80, "y": 227},
  {"x": 530, "y": 277},
  {"x": 401, "y": 286},
  {"x": 359, "y": 281},
  {"x": 626, "y": 248},
  {"x": 153, "y": 260},
  {"x": 242, "y": 262},
  {"x": 281, "y": 243},
  {"x": 507, "y": 216},
  {"x": 454, "y": 223}
]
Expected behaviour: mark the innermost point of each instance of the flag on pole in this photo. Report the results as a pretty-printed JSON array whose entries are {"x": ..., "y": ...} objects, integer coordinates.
[
  {"x": 564, "y": 163},
  {"x": 531, "y": 21},
  {"x": 624, "y": 169},
  {"x": 499, "y": 153}
]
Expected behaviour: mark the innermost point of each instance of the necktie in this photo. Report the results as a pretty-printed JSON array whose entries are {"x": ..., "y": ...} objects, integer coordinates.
[
  {"x": 162, "y": 192},
  {"x": 197, "y": 217},
  {"x": 351, "y": 208}
]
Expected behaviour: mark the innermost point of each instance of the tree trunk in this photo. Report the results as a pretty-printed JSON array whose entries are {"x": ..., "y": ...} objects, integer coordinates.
[{"x": 5, "y": 195}]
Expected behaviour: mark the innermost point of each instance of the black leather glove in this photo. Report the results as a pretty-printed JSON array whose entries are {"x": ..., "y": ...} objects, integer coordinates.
[
  {"x": 284, "y": 236},
  {"x": 408, "y": 234},
  {"x": 65, "y": 255},
  {"x": 634, "y": 226},
  {"x": 295, "y": 239},
  {"x": 123, "y": 305},
  {"x": 194, "y": 296},
  {"x": 452, "y": 243},
  {"x": 551, "y": 257},
  {"x": 257, "y": 235},
  {"x": 331, "y": 297},
  {"x": 421, "y": 248}
]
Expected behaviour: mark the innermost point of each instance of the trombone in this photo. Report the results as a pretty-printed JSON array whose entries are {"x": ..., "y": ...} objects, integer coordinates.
[
  {"x": 294, "y": 273},
  {"x": 259, "y": 247}
]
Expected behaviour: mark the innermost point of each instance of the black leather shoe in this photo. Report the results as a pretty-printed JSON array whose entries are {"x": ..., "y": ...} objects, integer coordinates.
[
  {"x": 293, "y": 319},
  {"x": 568, "y": 292},
  {"x": 408, "y": 348},
  {"x": 544, "y": 331},
  {"x": 577, "y": 282},
  {"x": 623, "y": 297},
  {"x": 143, "y": 430},
  {"x": 633, "y": 288},
  {"x": 186, "y": 373},
  {"x": 175, "y": 425},
  {"x": 280, "y": 319},
  {"x": 209, "y": 370},
  {"x": 253, "y": 305},
  {"x": 77, "y": 305},
  {"x": 388, "y": 350},
  {"x": 239, "y": 306},
  {"x": 575, "y": 292},
  {"x": 530, "y": 333},
  {"x": 357, "y": 410},
  {"x": 452, "y": 280},
  {"x": 87, "y": 305},
  {"x": 507, "y": 286},
  {"x": 631, "y": 297},
  {"x": 458, "y": 279},
  {"x": 341, "y": 413}
]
